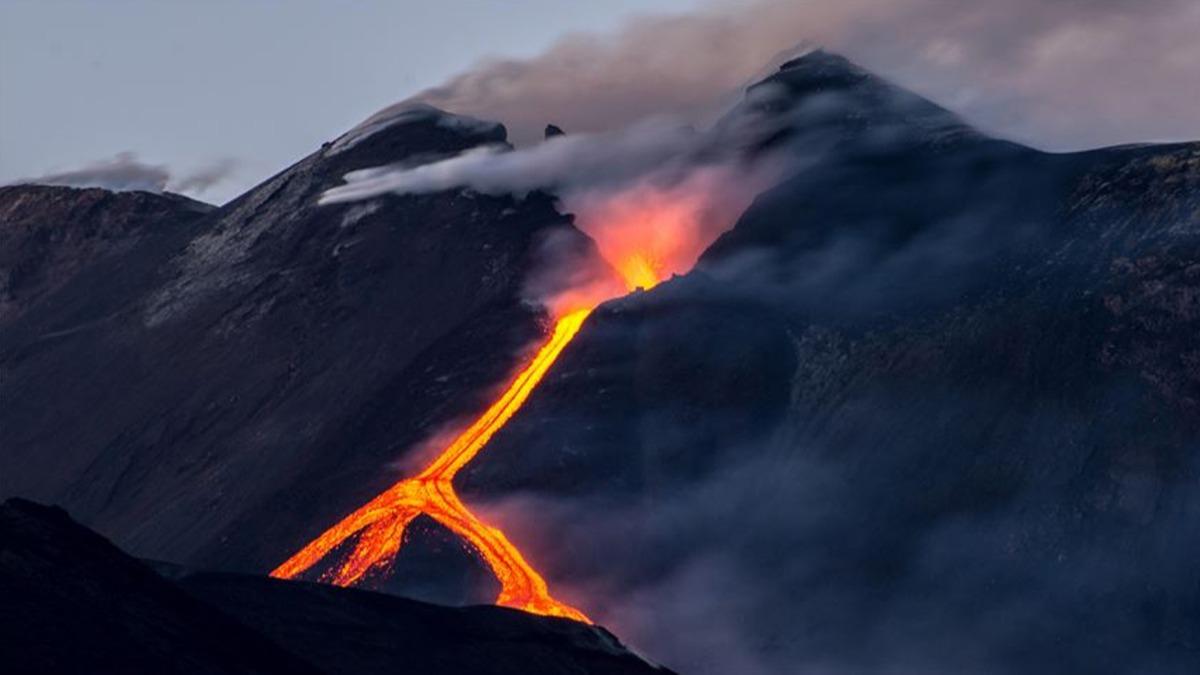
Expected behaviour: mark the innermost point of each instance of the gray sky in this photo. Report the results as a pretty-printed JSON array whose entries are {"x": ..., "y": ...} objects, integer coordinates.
[
  {"x": 187, "y": 84},
  {"x": 187, "y": 87}
]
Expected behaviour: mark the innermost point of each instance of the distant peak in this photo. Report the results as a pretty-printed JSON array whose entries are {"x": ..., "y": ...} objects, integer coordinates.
[{"x": 820, "y": 91}]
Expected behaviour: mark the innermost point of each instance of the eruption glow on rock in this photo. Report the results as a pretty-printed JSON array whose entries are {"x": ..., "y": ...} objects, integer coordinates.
[
  {"x": 654, "y": 228},
  {"x": 645, "y": 232}
]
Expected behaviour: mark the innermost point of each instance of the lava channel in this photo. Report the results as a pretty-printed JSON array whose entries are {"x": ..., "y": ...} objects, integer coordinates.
[
  {"x": 647, "y": 232},
  {"x": 380, "y": 523}
]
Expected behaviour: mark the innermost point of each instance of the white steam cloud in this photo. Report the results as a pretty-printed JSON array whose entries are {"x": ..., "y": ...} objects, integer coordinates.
[
  {"x": 651, "y": 196},
  {"x": 568, "y": 162}
]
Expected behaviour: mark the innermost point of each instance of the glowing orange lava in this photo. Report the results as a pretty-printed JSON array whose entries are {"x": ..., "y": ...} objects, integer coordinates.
[
  {"x": 638, "y": 271},
  {"x": 380, "y": 523},
  {"x": 645, "y": 233}
]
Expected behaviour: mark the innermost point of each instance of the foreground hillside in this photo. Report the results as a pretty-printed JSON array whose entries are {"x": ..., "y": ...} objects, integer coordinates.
[{"x": 74, "y": 603}]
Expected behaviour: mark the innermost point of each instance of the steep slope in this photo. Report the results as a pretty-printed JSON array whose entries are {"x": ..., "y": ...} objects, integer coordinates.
[
  {"x": 202, "y": 397},
  {"x": 75, "y": 603},
  {"x": 927, "y": 407}
]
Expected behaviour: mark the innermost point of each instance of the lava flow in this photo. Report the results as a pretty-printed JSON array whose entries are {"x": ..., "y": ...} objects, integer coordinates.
[
  {"x": 381, "y": 521},
  {"x": 647, "y": 232}
]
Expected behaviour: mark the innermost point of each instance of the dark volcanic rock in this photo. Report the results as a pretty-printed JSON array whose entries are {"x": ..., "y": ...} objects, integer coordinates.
[
  {"x": 355, "y": 632},
  {"x": 929, "y": 406},
  {"x": 50, "y": 234},
  {"x": 76, "y": 604},
  {"x": 219, "y": 394}
]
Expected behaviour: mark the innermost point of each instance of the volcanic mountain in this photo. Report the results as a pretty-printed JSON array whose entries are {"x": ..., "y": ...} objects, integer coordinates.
[
  {"x": 928, "y": 406},
  {"x": 220, "y": 370}
]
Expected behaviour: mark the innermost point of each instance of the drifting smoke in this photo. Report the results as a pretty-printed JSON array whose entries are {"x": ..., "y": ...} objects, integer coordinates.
[
  {"x": 569, "y": 162},
  {"x": 204, "y": 178},
  {"x": 652, "y": 196},
  {"x": 814, "y": 564},
  {"x": 1060, "y": 74},
  {"x": 821, "y": 500},
  {"x": 125, "y": 173},
  {"x": 684, "y": 66}
]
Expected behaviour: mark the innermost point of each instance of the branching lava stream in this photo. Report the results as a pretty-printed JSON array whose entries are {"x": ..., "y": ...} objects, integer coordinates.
[
  {"x": 381, "y": 521},
  {"x": 648, "y": 232}
]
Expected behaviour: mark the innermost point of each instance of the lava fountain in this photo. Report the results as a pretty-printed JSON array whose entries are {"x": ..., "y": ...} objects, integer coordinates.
[{"x": 645, "y": 232}]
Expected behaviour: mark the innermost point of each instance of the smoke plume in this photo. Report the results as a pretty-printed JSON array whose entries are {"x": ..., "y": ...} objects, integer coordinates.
[
  {"x": 1060, "y": 74},
  {"x": 125, "y": 172},
  {"x": 652, "y": 196},
  {"x": 204, "y": 178}
]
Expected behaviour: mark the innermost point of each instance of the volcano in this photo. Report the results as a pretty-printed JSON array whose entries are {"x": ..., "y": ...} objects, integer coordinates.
[{"x": 928, "y": 405}]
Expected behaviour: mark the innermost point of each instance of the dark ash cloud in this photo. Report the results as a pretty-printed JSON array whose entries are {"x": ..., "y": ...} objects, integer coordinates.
[{"x": 1060, "y": 73}]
